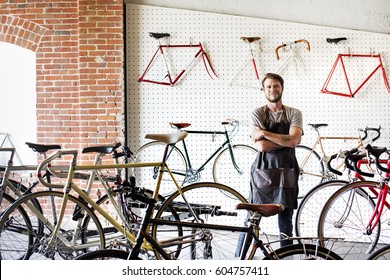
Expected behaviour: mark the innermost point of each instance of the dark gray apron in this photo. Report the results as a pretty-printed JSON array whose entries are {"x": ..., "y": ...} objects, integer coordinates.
[{"x": 274, "y": 175}]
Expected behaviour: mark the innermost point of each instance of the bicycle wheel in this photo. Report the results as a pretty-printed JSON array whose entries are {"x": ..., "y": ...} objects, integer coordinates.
[
  {"x": 25, "y": 232},
  {"x": 236, "y": 177},
  {"x": 147, "y": 176},
  {"x": 106, "y": 254},
  {"x": 212, "y": 203},
  {"x": 312, "y": 171},
  {"x": 310, "y": 207},
  {"x": 346, "y": 215},
  {"x": 303, "y": 252},
  {"x": 381, "y": 254}
]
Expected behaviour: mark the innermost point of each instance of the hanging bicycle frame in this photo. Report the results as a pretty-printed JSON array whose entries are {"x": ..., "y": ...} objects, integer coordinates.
[
  {"x": 352, "y": 93},
  {"x": 173, "y": 79}
]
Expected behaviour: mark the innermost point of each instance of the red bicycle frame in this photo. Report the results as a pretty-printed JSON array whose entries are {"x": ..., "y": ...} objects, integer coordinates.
[
  {"x": 173, "y": 80},
  {"x": 351, "y": 93}
]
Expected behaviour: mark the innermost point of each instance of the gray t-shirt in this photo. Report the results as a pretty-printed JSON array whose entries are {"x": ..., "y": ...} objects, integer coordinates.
[{"x": 294, "y": 116}]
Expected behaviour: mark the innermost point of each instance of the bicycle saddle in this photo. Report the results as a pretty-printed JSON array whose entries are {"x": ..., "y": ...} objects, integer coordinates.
[
  {"x": 158, "y": 35},
  {"x": 179, "y": 125},
  {"x": 42, "y": 148},
  {"x": 317, "y": 125},
  {"x": 265, "y": 210},
  {"x": 101, "y": 149},
  {"x": 250, "y": 39},
  {"x": 168, "y": 138},
  {"x": 335, "y": 40}
]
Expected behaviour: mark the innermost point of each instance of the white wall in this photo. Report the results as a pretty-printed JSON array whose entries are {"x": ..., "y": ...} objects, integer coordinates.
[
  {"x": 363, "y": 15},
  {"x": 18, "y": 100},
  {"x": 205, "y": 102}
]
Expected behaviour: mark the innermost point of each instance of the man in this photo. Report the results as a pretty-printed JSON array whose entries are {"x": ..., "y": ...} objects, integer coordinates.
[{"x": 277, "y": 130}]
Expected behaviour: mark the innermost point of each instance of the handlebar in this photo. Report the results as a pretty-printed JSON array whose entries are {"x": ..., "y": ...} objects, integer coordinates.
[
  {"x": 230, "y": 122},
  {"x": 47, "y": 161},
  {"x": 354, "y": 157},
  {"x": 376, "y": 130},
  {"x": 377, "y": 152},
  {"x": 329, "y": 163},
  {"x": 289, "y": 44}
]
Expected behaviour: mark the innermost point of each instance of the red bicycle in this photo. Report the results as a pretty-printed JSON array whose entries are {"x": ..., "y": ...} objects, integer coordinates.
[
  {"x": 341, "y": 60},
  {"x": 357, "y": 214},
  {"x": 170, "y": 78}
]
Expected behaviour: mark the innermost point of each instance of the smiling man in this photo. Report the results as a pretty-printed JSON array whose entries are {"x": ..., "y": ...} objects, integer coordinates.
[{"x": 277, "y": 129}]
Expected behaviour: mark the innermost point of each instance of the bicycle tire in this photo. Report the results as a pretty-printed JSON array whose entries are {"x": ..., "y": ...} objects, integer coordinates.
[
  {"x": 106, "y": 254},
  {"x": 381, "y": 254},
  {"x": 20, "y": 238},
  {"x": 310, "y": 207},
  {"x": 214, "y": 203},
  {"x": 348, "y": 223},
  {"x": 8, "y": 200},
  {"x": 303, "y": 252},
  {"x": 312, "y": 172},
  {"x": 147, "y": 176},
  {"x": 224, "y": 172}
]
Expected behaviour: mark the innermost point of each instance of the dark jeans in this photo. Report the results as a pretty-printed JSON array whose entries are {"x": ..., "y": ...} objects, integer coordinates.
[{"x": 285, "y": 224}]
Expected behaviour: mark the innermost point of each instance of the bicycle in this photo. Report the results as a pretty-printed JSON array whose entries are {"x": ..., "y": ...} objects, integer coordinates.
[
  {"x": 231, "y": 162},
  {"x": 356, "y": 213},
  {"x": 173, "y": 78},
  {"x": 40, "y": 207},
  {"x": 340, "y": 60},
  {"x": 292, "y": 57},
  {"x": 313, "y": 160},
  {"x": 165, "y": 245},
  {"x": 254, "y": 46},
  {"x": 310, "y": 206},
  {"x": 17, "y": 224}
]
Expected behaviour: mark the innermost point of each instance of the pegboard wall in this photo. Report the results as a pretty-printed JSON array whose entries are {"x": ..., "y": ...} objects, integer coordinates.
[{"x": 205, "y": 102}]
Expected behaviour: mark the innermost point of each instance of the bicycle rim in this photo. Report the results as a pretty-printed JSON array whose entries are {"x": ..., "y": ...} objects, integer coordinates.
[
  {"x": 19, "y": 236},
  {"x": 310, "y": 207},
  {"x": 345, "y": 216},
  {"x": 235, "y": 174},
  {"x": 214, "y": 204}
]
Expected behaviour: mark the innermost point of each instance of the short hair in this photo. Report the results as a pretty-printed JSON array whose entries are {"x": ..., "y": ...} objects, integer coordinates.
[{"x": 272, "y": 76}]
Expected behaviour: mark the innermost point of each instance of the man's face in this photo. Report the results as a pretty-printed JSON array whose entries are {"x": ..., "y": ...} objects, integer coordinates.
[{"x": 273, "y": 90}]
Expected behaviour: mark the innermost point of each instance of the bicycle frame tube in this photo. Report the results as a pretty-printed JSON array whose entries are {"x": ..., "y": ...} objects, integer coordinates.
[
  {"x": 382, "y": 202},
  {"x": 378, "y": 207},
  {"x": 213, "y": 154}
]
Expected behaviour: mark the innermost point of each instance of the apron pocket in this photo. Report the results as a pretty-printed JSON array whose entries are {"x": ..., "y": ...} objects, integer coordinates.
[{"x": 274, "y": 178}]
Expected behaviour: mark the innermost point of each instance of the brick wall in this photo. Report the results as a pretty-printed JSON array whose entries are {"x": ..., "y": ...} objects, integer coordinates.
[{"x": 79, "y": 51}]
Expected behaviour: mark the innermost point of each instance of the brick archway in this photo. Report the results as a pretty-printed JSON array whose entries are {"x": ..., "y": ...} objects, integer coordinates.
[{"x": 21, "y": 32}]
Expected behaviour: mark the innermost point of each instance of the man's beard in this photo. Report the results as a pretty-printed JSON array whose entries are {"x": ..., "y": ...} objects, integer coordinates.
[{"x": 275, "y": 99}]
